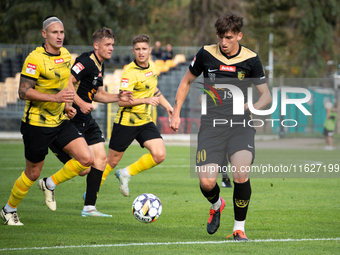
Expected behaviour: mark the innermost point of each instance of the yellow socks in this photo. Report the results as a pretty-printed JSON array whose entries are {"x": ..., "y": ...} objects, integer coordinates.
[
  {"x": 108, "y": 169},
  {"x": 71, "y": 169},
  {"x": 19, "y": 191},
  {"x": 143, "y": 163}
]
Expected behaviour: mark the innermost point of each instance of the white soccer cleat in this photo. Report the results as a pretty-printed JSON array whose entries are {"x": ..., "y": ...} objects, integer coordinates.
[
  {"x": 49, "y": 195},
  {"x": 10, "y": 218},
  {"x": 124, "y": 188}
]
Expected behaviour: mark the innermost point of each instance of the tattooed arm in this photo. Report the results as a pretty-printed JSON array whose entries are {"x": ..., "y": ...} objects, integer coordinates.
[{"x": 27, "y": 92}]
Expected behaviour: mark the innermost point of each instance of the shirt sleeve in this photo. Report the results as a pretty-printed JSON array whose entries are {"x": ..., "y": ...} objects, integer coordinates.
[
  {"x": 257, "y": 74},
  {"x": 196, "y": 66},
  {"x": 128, "y": 80},
  {"x": 31, "y": 67},
  {"x": 81, "y": 68}
]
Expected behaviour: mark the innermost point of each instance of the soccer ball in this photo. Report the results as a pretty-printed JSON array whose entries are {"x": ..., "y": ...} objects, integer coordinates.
[{"x": 146, "y": 208}]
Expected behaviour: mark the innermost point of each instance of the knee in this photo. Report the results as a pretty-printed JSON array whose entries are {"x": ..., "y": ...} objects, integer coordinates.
[
  {"x": 240, "y": 180},
  {"x": 159, "y": 157},
  {"x": 87, "y": 161},
  {"x": 207, "y": 184},
  {"x": 113, "y": 162},
  {"x": 32, "y": 174}
]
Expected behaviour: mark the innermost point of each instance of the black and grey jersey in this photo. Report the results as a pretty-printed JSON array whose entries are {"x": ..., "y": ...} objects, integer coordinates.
[
  {"x": 241, "y": 70},
  {"x": 88, "y": 71}
]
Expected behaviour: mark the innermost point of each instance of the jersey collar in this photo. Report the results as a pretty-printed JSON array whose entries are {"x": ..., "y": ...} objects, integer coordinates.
[
  {"x": 141, "y": 66},
  {"x": 50, "y": 54},
  {"x": 229, "y": 57}
]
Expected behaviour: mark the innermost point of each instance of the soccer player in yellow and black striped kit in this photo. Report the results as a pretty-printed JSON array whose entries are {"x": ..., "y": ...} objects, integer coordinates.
[
  {"x": 43, "y": 84},
  {"x": 133, "y": 120}
]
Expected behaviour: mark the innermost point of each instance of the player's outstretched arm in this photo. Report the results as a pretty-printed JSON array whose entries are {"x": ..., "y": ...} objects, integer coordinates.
[
  {"x": 181, "y": 94},
  {"x": 105, "y": 97},
  {"x": 137, "y": 101},
  {"x": 27, "y": 92},
  {"x": 164, "y": 103}
]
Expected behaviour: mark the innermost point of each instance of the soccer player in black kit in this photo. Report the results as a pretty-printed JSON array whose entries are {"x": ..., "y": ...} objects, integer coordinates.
[
  {"x": 87, "y": 80},
  {"x": 226, "y": 62}
]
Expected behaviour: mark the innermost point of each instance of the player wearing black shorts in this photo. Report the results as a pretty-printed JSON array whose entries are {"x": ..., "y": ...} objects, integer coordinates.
[
  {"x": 87, "y": 79},
  {"x": 133, "y": 120},
  {"x": 43, "y": 84},
  {"x": 222, "y": 133}
]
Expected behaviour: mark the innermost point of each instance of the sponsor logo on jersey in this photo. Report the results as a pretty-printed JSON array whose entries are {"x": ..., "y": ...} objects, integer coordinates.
[
  {"x": 193, "y": 62},
  {"x": 31, "y": 68},
  {"x": 149, "y": 74},
  {"x": 100, "y": 74},
  {"x": 228, "y": 68},
  {"x": 124, "y": 83},
  {"x": 59, "y": 61},
  {"x": 77, "y": 68}
]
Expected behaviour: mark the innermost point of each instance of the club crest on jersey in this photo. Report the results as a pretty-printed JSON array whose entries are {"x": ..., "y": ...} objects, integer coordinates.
[
  {"x": 100, "y": 74},
  {"x": 59, "y": 61},
  {"x": 241, "y": 75},
  {"x": 124, "y": 83},
  {"x": 228, "y": 68},
  {"x": 149, "y": 74},
  {"x": 31, "y": 68},
  {"x": 77, "y": 68}
]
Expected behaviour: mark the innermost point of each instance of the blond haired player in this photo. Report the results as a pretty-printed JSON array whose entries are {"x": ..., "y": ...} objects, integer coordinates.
[{"x": 134, "y": 120}]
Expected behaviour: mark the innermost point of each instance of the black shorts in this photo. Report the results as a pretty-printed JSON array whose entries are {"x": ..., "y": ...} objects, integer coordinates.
[
  {"x": 90, "y": 131},
  {"x": 217, "y": 144},
  {"x": 123, "y": 136},
  {"x": 327, "y": 132},
  {"x": 37, "y": 139}
]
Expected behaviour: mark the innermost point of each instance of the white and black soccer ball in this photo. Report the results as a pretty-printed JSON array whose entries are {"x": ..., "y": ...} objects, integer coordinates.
[{"x": 147, "y": 208}]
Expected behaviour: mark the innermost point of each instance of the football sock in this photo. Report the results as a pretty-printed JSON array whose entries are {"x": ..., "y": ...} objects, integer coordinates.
[
  {"x": 125, "y": 172},
  {"x": 88, "y": 208},
  {"x": 93, "y": 180},
  {"x": 212, "y": 195},
  {"x": 108, "y": 169},
  {"x": 216, "y": 205},
  {"x": 241, "y": 197},
  {"x": 71, "y": 169},
  {"x": 143, "y": 163},
  {"x": 239, "y": 225},
  {"x": 9, "y": 209},
  {"x": 19, "y": 190}
]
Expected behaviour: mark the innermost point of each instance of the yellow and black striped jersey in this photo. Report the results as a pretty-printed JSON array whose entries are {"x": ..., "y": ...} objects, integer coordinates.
[
  {"x": 142, "y": 82},
  {"x": 51, "y": 73}
]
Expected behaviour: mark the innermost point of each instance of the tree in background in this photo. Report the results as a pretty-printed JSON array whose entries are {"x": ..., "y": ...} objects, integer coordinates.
[{"x": 306, "y": 32}]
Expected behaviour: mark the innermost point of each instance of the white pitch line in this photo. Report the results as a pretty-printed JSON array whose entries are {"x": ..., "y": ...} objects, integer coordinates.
[{"x": 169, "y": 243}]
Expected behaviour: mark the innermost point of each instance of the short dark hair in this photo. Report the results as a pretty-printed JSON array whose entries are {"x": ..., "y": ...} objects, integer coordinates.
[
  {"x": 102, "y": 33},
  {"x": 141, "y": 38},
  {"x": 229, "y": 22}
]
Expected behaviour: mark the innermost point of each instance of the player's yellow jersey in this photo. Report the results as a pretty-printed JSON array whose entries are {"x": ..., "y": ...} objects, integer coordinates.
[
  {"x": 142, "y": 82},
  {"x": 51, "y": 73}
]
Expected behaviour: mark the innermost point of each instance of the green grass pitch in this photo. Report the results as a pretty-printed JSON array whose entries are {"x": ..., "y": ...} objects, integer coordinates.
[{"x": 281, "y": 214}]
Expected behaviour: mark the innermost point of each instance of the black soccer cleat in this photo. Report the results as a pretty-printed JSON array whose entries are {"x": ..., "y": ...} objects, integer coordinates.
[
  {"x": 214, "y": 219},
  {"x": 226, "y": 183}
]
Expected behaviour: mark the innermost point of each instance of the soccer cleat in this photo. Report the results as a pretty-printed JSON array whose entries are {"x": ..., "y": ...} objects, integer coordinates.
[
  {"x": 10, "y": 218},
  {"x": 124, "y": 188},
  {"x": 49, "y": 195},
  {"x": 226, "y": 183},
  {"x": 239, "y": 235},
  {"x": 94, "y": 213},
  {"x": 214, "y": 219}
]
